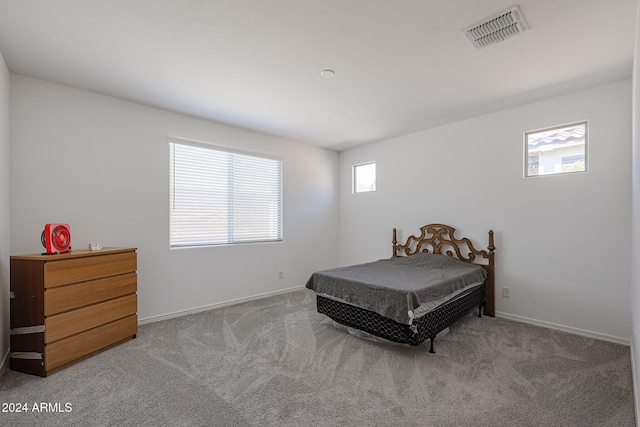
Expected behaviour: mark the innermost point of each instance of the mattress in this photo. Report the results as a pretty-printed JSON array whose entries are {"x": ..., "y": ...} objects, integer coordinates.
[{"x": 400, "y": 288}]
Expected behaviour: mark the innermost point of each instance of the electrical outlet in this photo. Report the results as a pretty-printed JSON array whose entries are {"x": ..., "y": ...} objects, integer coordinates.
[
  {"x": 280, "y": 274},
  {"x": 505, "y": 292}
]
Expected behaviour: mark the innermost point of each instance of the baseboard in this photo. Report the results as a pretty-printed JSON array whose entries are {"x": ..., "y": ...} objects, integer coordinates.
[
  {"x": 563, "y": 328},
  {"x": 521, "y": 319},
  {"x": 175, "y": 314},
  {"x": 4, "y": 366},
  {"x": 636, "y": 390}
]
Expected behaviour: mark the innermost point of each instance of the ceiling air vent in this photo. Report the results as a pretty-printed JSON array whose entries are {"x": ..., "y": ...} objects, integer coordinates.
[{"x": 496, "y": 28}]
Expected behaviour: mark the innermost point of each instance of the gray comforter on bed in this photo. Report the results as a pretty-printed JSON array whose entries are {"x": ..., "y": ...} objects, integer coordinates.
[{"x": 396, "y": 286}]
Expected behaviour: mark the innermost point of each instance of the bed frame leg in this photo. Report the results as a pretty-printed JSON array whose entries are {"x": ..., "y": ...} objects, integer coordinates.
[
  {"x": 431, "y": 340},
  {"x": 482, "y": 305}
]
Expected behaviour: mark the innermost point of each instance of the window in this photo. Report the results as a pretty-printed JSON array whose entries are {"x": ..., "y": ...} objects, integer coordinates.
[
  {"x": 364, "y": 177},
  {"x": 222, "y": 196},
  {"x": 557, "y": 150}
]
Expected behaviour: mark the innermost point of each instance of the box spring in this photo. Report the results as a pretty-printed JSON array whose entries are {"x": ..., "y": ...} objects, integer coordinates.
[{"x": 423, "y": 328}]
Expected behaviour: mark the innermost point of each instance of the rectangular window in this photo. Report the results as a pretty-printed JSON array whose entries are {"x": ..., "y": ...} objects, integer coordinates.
[
  {"x": 223, "y": 196},
  {"x": 364, "y": 177},
  {"x": 556, "y": 150}
]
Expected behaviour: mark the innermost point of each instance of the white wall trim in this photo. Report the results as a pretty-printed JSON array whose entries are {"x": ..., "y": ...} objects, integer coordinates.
[
  {"x": 214, "y": 306},
  {"x": 635, "y": 380},
  {"x": 563, "y": 328},
  {"x": 4, "y": 366},
  {"x": 521, "y": 319}
]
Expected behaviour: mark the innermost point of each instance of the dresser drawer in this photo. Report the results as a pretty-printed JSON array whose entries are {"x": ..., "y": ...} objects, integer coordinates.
[
  {"x": 72, "y": 322},
  {"x": 85, "y": 344},
  {"x": 58, "y": 273},
  {"x": 65, "y": 298}
]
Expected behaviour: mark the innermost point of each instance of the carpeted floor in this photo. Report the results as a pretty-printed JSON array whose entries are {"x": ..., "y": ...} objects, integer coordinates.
[{"x": 276, "y": 362}]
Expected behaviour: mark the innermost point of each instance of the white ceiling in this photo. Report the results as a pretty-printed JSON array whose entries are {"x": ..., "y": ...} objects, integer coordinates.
[{"x": 401, "y": 66}]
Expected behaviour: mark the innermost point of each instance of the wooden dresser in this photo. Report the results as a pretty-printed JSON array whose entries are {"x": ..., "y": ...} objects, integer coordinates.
[{"x": 67, "y": 307}]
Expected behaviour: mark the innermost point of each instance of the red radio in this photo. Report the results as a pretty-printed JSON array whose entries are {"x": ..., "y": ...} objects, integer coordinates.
[{"x": 56, "y": 238}]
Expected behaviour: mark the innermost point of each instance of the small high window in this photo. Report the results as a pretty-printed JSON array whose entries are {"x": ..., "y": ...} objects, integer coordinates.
[
  {"x": 556, "y": 150},
  {"x": 364, "y": 177}
]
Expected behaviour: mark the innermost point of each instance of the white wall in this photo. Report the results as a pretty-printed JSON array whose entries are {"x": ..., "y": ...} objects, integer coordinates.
[
  {"x": 635, "y": 235},
  {"x": 101, "y": 165},
  {"x": 563, "y": 242},
  {"x": 4, "y": 210}
]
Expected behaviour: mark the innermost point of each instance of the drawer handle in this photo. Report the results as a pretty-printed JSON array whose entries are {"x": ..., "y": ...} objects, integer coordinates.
[{"x": 28, "y": 330}]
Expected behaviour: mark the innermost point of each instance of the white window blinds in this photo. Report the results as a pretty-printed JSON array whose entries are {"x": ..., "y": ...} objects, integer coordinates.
[{"x": 221, "y": 196}]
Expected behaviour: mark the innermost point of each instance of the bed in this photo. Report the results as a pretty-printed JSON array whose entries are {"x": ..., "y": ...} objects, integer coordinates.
[{"x": 431, "y": 281}]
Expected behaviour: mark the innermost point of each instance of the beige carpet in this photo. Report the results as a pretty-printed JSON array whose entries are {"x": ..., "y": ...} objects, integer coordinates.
[{"x": 275, "y": 362}]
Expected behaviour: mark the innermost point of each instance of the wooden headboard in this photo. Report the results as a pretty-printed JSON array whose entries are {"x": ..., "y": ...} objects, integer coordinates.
[{"x": 440, "y": 239}]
